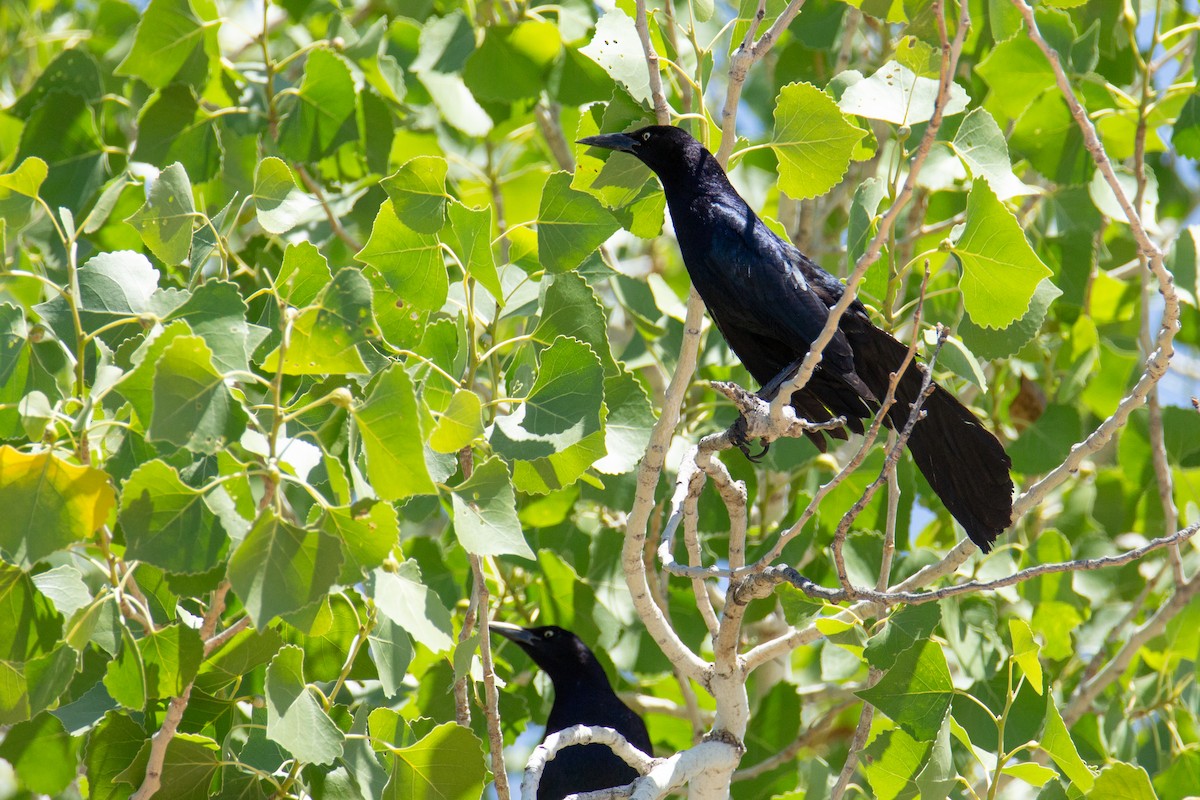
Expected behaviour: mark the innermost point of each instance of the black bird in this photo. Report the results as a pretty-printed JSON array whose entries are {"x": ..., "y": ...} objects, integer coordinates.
[
  {"x": 770, "y": 302},
  {"x": 582, "y": 696}
]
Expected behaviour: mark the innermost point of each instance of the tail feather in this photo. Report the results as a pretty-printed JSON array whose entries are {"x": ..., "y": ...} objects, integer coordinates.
[{"x": 964, "y": 463}]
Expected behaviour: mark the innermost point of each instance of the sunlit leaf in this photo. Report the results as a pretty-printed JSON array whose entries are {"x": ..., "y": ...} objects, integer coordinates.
[{"x": 812, "y": 139}]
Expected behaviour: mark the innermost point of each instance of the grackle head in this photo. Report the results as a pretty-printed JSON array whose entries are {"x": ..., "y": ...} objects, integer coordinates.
[
  {"x": 663, "y": 148},
  {"x": 561, "y": 654}
]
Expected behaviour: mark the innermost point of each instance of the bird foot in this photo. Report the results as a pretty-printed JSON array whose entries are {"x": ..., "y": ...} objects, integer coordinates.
[{"x": 738, "y": 436}]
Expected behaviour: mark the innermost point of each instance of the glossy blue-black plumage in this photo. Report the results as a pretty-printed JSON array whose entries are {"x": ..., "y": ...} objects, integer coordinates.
[{"x": 770, "y": 302}]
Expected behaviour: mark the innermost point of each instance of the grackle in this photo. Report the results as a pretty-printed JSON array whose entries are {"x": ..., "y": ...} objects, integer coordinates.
[
  {"x": 770, "y": 302},
  {"x": 582, "y": 696}
]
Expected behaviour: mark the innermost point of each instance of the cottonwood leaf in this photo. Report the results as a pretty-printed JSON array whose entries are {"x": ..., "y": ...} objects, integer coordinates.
[
  {"x": 173, "y": 128},
  {"x": 904, "y": 629},
  {"x": 295, "y": 719},
  {"x": 367, "y": 536},
  {"x": 166, "y": 522},
  {"x": 193, "y": 407},
  {"x": 446, "y": 764},
  {"x": 1025, "y": 651},
  {"x": 980, "y": 143},
  {"x": 278, "y": 202},
  {"x": 1017, "y": 72},
  {"x": 513, "y": 61},
  {"x": 165, "y": 219},
  {"x": 1056, "y": 740},
  {"x": 35, "y": 625},
  {"x": 916, "y": 692},
  {"x": 1000, "y": 269},
  {"x": 410, "y": 262},
  {"x": 894, "y": 93},
  {"x": 418, "y": 193},
  {"x": 405, "y": 599},
  {"x": 570, "y": 224},
  {"x": 166, "y": 35},
  {"x": 485, "y": 513},
  {"x": 472, "y": 228},
  {"x": 62, "y": 132},
  {"x": 812, "y": 139},
  {"x": 616, "y": 47},
  {"x": 391, "y": 434},
  {"x": 48, "y": 504},
  {"x": 323, "y": 114},
  {"x": 280, "y": 568},
  {"x": 460, "y": 424},
  {"x": 325, "y": 336}
]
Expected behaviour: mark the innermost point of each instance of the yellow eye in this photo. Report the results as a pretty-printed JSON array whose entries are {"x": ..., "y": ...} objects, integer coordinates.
[{"x": 646, "y": 136}]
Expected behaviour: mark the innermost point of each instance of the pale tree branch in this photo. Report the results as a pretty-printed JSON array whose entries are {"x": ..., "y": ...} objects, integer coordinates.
[
  {"x": 162, "y": 738},
  {"x": 490, "y": 695},
  {"x": 662, "y": 112},
  {"x": 581, "y": 735}
]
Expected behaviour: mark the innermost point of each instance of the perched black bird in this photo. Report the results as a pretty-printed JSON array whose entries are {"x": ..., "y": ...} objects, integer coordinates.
[
  {"x": 582, "y": 696},
  {"x": 771, "y": 302}
]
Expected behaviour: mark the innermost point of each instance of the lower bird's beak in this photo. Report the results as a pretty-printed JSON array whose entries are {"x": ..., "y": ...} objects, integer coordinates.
[
  {"x": 513, "y": 632},
  {"x": 611, "y": 141}
]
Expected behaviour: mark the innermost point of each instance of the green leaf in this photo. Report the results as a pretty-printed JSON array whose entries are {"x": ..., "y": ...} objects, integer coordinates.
[
  {"x": 302, "y": 275},
  {"x": 72, "y": 71},
  {"x": 1000, "y": 269},
  {"x": 862, "y": 224},
  {"x": 558, "y": 432},
  {"x": 1017, "y": 72},
  {"x": 237, "y": 657},
  {"x": 391, "y": 434},
  {"x": 1056, "y": 740},
  {"x": 1047, "y": 135},
  {"x": 36, "y": 625},
  {"x": 485, "y": 513},
  {"x": 1025, "y": 652},
  {"x": 165, "y": 219},
  {"x": 170, "y": 656},
  {"x": 62, "y": 132},
  {"x": 49, "y": 504},
  {"x": 112, "y": 286},
  {"x": 513, "y": 62},
  {"x": 812, "y": 139},
  {"x": 173, "y": 128},
  {"x": 1185, "y": 136},
  {"x": 617, "y": 47},
  {"x": 280, "y": 568},
  {"x": 324, "y": 338},
  {"x": 216, "y": 312},
  {"x": 988, "y": 344},
  {"x": 1126, "y": 781},
  {"x": 112, "y": 746},
  {"x": 166, "y": 522},
  {"x": 392, "y": 652},
  {"x": 418, "y": 193},
  {"x": 1106, "y": 200},
  {"x": 628, "y": 423},
  {"x": 411, "y": 263},
  {"x": 295, "y": 719},
  {"x": 405, "y": 599},
  {"x": 278, "y": 202},
  {"x": 895, "y": 94},
  {"x": 1032, "y": 773},
  {"x": 193, "y": 407},
  {"x": 916, "y": 692},
  {"x": 323, "y": 114},
  {"x": 892, "y": 762},
  {"x": 570, "y": 308},
  {"x": 980, "y": 143},
  {"x": 472, "y": 227},
  {"x": 166, "y": 36},
  {"x": 446, "y": 764},
  {"x": 189, "y": 765},
  {"x": 43, "y": 754},
  {"x": 367, "y": 536},
  {"x": 570, "y": 224},
  {"x": 460, "y": 424},
  {"x": 905, "y": 628},
  {"x": 1043, "y": 445},
  {"x": 19, "y": 191},
  {"x": 955, "y": 356}
]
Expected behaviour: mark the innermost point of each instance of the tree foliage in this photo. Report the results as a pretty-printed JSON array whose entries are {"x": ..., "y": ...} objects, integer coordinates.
[{"x": 321, "y": 344}]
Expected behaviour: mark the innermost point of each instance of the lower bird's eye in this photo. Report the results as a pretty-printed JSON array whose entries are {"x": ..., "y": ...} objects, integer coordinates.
[
  {"x": 548, "y": 634},
  {"x": 646, "y": 136}
]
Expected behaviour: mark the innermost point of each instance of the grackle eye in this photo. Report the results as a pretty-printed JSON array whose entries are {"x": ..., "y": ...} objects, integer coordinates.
[
  {"x": 646, "y": 136},
  {"x": 548, "y": 635}
]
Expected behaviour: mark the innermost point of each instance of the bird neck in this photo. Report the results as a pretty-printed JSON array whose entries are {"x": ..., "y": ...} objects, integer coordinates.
[{"x": 694, "y": 177}]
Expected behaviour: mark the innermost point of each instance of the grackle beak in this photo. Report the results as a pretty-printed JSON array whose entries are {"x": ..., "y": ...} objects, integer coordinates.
[
  {"x": 611, "y": 141},
  {"x": 513, "y": 632}
]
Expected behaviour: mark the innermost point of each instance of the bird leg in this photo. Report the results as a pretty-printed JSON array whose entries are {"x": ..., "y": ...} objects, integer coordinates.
[
  {"x": 772, "y": 387},
  {"x": 739, "y": 437}
]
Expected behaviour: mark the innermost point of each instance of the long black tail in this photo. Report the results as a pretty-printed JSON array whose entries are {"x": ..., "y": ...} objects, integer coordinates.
[{"x": 964, "y": 463}]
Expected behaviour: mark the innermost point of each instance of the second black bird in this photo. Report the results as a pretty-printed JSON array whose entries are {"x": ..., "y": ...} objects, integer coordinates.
[
  {"x": 582, "y": 696},
  {"x": 770, "y": 302}
]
